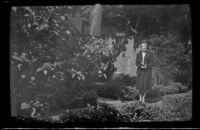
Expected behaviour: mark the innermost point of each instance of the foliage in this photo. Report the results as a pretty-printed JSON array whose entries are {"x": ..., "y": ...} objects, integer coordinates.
[
  {"x": 140, "y": 112},
  {"x": 178, "y": 107},
  {"x": 182, "y": 88},
  {"x": 173, "y": 51},
  {"x": 129, "y": 93},
  {"x": 112, "y": 90},
  {"x": 169, "y": 90},
  {"x": 93, "y": 114},
  {"x": 121, "y": 86},
  {"x": 62, "y": 98},
  {"x": 117, "y": 90},
  {"x": 154, "y": 93},
  {"x": 173, "y": 88},
  {"x": 143, "y": 20},
  {"x": 173, "y": 61},
  {"x": 48, "y": 56},
  {"x": 53, "y": 40},
  {"x": 125, "y": 79},
  {"x": 79, "y": 97}
]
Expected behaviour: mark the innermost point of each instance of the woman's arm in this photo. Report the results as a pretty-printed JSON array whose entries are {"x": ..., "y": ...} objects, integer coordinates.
[
  {"x": 151, "y": 60},
  {"x": 137, "y": 61}
]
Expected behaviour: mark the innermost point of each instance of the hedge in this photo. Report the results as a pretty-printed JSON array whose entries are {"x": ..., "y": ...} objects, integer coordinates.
[{"x": 177, "y": 107}]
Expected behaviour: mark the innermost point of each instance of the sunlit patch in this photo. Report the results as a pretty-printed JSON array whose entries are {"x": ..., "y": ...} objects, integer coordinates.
[
  {"x": 54, "y": 76},
  {"x": 29, "y": 25},
  {"x": 32, "y": 78},
  {"x": 23, "y": 76},
  {"x": 14, "y": 9},
  {"x": 68, "y": 32},
  {"x": 19, "y": 66},
  {"x": 62, "y": 17},
  {"x": 24, "y": 105},
  {"x": 45, "y": 72}
]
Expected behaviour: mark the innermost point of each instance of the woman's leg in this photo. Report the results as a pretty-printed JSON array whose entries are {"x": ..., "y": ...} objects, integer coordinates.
[
  {"x": 143, "y": 98},
  {"x": 140, "y": 97}
]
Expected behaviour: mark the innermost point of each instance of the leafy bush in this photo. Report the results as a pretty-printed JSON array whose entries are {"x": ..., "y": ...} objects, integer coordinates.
[
  {"x": 178, "y": 107},
  {"x": 125, "y": 79},
  {"x": 180, "y": 86},
  {"x": 153, "y": 95},
  {"x": 173, "y": 57},
  {"x": 94, "y": 114},
  {"x": 75, "y": 97},
  {"x": 46, "y": 51},
  {"x": 119, "y": 87},
  {"x": 173, "y": 88},
  {"x": 63, "y": 97},
  {"x": 137, "y": 112},
  {"x": 169, "y": 90},
  {"x": 129, "y": 93},
  {"x": 111, "y": 89}
]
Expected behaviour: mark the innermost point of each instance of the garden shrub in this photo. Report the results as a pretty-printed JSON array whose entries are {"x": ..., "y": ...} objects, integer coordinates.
[
  {"x": 121, "y": 87},
  {"x": 111, "y": 89},
  {"x": 173, "y": 88},
  {"x": 153, "y": 95},
  {"x": 125, "y": 79},
  {"x": 107, "y": 113},
  {"x": 79, "y": 96},
  {"x": 52, "y": 55},
  {"x": 129, "y": 93},
  {"x": 178, "y": 107},
  {"x": 157, "y": 89},
  {"x": 37, "y": 97},
  {"x": 92, "y": 114},
  {"x": 60, "y": 97},
  {"x": 139, "y": 112},
  {"x": 182, "y": 88},
  {"x": 170, "y": 89}
]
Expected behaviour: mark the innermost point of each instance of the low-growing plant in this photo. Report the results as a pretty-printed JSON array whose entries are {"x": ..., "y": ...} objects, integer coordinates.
[
  {"x": 80, "y": 95},
  {"x": 173, "y": 88},
  {"x": 125, "y": 79},
  {"x": 153, "y": 93},
  {"x": 92, "y": 114},
  {"x": 169, "y": 90},
  {"x": 140, "y": 112},
  {"x": 129, "y": 93},
  {"x": 111, "y": 89},
  {"x": 182, "y": 88},
  {"x": 178, "y": 107}
]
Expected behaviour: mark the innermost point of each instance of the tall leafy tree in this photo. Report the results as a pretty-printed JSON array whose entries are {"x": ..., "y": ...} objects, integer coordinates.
[{"x": 168, "y": 30}]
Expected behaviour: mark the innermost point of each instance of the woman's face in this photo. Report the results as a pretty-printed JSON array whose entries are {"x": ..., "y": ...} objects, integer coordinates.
[{"x": 144, "y": 48}]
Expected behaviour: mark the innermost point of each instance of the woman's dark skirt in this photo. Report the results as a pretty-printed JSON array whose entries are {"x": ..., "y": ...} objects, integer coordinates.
[{"x": 144, "y": 80}]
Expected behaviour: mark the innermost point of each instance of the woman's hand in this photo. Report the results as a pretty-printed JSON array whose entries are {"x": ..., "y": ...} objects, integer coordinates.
[{"x": 143, "y": 66}]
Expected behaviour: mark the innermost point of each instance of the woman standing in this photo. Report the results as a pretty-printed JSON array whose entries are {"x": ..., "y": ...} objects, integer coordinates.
[{"x": 144, "y": 63}]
